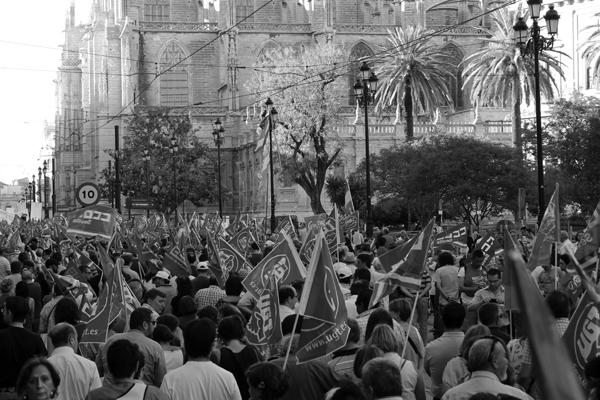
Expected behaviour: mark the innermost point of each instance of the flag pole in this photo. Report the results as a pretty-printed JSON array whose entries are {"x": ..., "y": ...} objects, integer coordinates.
[
  {"x": 556, "y": 266},
  {"x": 289, "y": 348},
  {"x": 597, "y": 266},
  {"x": 410, "y": 322}
]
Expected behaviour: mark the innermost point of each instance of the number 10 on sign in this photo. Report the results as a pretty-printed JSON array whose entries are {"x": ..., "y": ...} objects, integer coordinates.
[{"x": 88, "y": 194}]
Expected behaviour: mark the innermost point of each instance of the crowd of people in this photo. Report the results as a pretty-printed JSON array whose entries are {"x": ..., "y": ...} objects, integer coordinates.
[{"x": 452, "y": 339}]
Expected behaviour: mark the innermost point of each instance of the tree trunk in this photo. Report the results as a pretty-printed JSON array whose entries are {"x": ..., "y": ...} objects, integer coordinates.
[
  {"x": 408, "y": 109},
  {"x": 516, "y": 118}
]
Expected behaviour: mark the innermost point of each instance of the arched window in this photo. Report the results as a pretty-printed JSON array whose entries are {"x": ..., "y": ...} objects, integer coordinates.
[
  {"x": 359, "y": 51},
  {"x": 156, "y": 10},
  {"x": 173, "y": 82},
  {"x": 455, "y": 56}
]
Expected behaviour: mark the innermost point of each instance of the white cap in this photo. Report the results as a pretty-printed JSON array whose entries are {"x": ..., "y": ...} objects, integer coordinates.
[{"x": 163, "y": 275}]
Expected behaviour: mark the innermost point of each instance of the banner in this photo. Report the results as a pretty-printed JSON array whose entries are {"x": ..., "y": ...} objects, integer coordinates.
[
  {"x": 406, "y": 272},
  {"x": 350, "y": 221},
  {"x": 242, "y": 240},
  {"x": 324, "y": 328},
  {"x": 264, "y": 326},
  {"x": 554, "y": 373},
  {"x": 490, "y": 246},
  {"x": 581, "y": 336},
  {"x": 308, "y": 246},
  {"x": 283, "y": 262},
  {"x": 175, "y": 262},
  {"x": 456, "y": 236},
  {"x": 214, "y": 261},
  {"x": 92, "y": 221},
  {"x": 231, "y": 260},
  {"x": 589, "y": 242},
  {"x": 547, "y": 234}
]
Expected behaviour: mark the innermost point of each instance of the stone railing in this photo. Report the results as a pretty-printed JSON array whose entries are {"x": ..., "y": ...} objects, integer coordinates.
[
  {"x": 179, "y": 26},
  {"x": 268, "y": 27},
  {"x": 352, "y": 28},
  {"x": 460, "y": 30}
]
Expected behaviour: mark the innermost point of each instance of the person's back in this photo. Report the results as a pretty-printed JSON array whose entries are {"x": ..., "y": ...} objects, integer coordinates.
[
  {"x": 17, "y": 344},
  {"x": 141, "y": 325},
  {"x": 78, "y": 375},
  {"x": 199, "y": 378},
  {"x": 444, "y": 348}
]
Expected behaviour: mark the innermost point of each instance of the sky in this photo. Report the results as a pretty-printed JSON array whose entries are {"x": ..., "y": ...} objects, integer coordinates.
[{"x": 30, "y": 35}]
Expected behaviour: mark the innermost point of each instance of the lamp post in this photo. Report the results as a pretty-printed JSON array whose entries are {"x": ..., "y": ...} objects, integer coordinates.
[
  {"x": 365, "y": 89},
  {"x": 532, "y": 43},
  {"x": 173, "y": 148},
  {"x": 272, "y": 115},
  {"x": 218, "y": 136},
  {"x": 45, "y": 170},
  {"x": 33, "y": 188},
  {"x": 40, "y": 183},
  {"x": 53, "y": 188},
  {"x": 146, "y": 158},
  {"x": 28, "y": 200}
]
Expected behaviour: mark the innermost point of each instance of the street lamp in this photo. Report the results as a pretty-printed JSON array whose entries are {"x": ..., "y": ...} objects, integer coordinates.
[
  {"x": 218, "y": 136},
  {"x": 272, "y": 115},
  {"x": 45, "y": 170},
  {"x": 530, "y": 42},
  {"x": 28, "y": 200},
  {"x": 173, "y": 148},
  {"x": 365, "y": 89},
  {"x": 40, "y": 183},
  {"x": 33, "y": 188},
  {"x": 146, "y": 158}
]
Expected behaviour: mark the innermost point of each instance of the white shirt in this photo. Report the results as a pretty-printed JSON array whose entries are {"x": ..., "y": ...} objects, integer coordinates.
[
  {"x": 483, "y": 382},
  {"x": 200, "y": 380},
  {"x": 285, "y": 311},
  {"x": 173, "y": 359},
  {"x": 78, "y": 375}
]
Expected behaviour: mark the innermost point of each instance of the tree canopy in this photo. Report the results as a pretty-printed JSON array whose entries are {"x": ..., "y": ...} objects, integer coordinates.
[
  {"x": 471, "y": 178},
  {"x": 168, "y": 178}
]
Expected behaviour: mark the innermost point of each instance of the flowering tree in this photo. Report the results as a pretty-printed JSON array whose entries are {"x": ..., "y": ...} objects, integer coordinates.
[{"x": 307, "y": 90}]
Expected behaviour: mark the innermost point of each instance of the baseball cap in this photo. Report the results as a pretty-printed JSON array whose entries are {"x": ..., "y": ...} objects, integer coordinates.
[
  {"x": 163, "y": 275},
  {"x": 344, "y": 272},
  {"x": 202, "y": 266}
]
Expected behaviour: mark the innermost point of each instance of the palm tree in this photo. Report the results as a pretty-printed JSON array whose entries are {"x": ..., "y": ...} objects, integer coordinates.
[
  {"x": 591, "y": 48},
  {"x": 413, "y": 71},
  {"x": 498, "y": 74}
]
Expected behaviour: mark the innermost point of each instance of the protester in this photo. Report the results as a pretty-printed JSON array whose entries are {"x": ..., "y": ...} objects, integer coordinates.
[
  {"x": 266, "y": 381},
  {"x": 489, "y": 315},
  {"x": 187, "y": 311},
  {"x": 233, "y": 290},
  {"x": 301, "y": 376},
  {"x": 363, "y": 355},
  {"x": 457, "y": 370},
  {"x": 78, "y": 375},
  {"x": 184, "y": 288},
  {"x": 163, "y": 335},
  {"x": 162, "y": 282},
  {"x": 35, "y": 292},
  {"x": 287, "y": 301},
  {"x": 125, "y": 362},
  {"x": 199, "y": 378},
  {"x": 446, "y": 287},
  {"x": 234, "y": 355},
  {"x": 442, "y": 349},
  {"x": 387, "y": 340},
  {"x": 38, "y": 380},
  {"x": 209, "y": 296},
  {"x": 141, "y": 324},
  {"x": 410, "y": 337},
  {"x": 342, "y": 360},
  {"x": 488, "y": 363},
  {"x": 155, "y": 300},
  {"x": 17, "y": 344},
  {"x": 382, "y": 380}
]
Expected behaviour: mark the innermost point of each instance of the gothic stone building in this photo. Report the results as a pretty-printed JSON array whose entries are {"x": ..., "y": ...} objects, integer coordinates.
[{"x": 109, "y": 68}]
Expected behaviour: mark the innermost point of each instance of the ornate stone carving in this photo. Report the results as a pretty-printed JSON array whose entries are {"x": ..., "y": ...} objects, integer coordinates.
[
  {"x": 266, "y": 27},
  {"x": 179, "y": 26}
]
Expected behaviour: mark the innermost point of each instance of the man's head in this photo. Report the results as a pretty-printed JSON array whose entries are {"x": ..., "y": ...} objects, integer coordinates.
[
  {"x": 364, "y": 260},
  {"x": 16, "y": 267},
  {"x": 161, "y": 278},
  {"x": 477, "y": 259},
  {"x": 453, "y": 315},
  {"x": 124, "y": 359},
  {"x": 381, "y": 377},
  {"x": 488, "y": 314},
  {"x": 127, "y": 259},
  {"x": 199, "y": 337},
  {"x": 141, "y": 319},
  {"x": 489, "y": 354},
  {"x": 494, "y": 279},
  {"x": 445, "y": 258},
  {"x": 86, "y": 272},
  {"x": 63, "y": 334},
  {"x": 156, "y": 299},
  {"x": 190, "y": 254},
  {"x": 233, "y": 285},
  {"x": 16, "y": 309},
  {"x": 288, "y": 296},
  {"x": 558, "y": 303}
]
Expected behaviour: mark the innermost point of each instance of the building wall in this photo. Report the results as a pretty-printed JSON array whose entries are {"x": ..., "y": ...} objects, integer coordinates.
[{"x": 122, "y": 52}]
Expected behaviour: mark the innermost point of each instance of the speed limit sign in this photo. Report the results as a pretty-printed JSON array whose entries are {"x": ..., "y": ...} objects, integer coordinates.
[{"x": 88, "y": 194}]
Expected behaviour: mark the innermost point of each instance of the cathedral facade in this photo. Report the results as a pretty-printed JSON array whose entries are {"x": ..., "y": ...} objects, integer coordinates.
[{"x": 121, "y": 62}]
